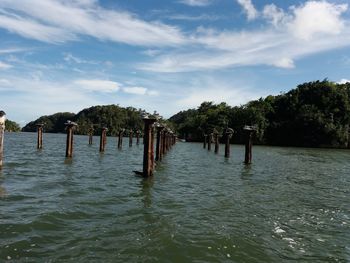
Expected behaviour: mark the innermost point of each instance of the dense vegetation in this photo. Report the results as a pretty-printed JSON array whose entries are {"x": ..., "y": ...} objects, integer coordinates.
[
  {"x": 12, "y": 126},
  {"x": 315, "y": 114},
  {"x": 111, "y": 116}
]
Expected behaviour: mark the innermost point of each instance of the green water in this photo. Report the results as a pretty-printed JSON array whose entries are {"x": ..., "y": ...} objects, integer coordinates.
[{"x": 290, "y": 205}]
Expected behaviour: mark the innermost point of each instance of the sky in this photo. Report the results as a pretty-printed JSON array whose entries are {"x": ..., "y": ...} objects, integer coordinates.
[{"x": 164, "y": 55}]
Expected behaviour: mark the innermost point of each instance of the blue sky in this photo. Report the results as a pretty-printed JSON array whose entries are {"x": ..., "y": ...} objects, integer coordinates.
[{"x": 164, "y": 55}]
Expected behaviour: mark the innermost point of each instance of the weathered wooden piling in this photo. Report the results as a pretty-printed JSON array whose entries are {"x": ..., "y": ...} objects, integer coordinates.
[
  {"x": 163, "y": 144},
  {"x": 228, "y": 135},
  {"x": 159, "y": 155},
  {"x": 210, "y": 138},
  {"x": 120, "y": 138},
  {"x": 148, "y": 152},
  {"x": 205, "y": 141},
  {"x": 91, "y": 134},
  {"x": 130, "y": 137},
  {"x": 216, "y": 140},
  {"x": 249, "y": 130},
  {"x": 103, "y": 139},
  {"x": 138, "y": 132},
  {"x": 2, "y": 133},
  {"x": 69, "y": 143},
  {"x": 39, "y": 144}
]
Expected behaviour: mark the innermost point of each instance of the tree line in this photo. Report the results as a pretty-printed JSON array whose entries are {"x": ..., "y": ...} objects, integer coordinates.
[{"x": 315, "y": 114}]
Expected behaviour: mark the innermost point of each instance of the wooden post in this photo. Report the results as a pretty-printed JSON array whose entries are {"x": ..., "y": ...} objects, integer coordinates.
[
  {"x": 163, "y": 144},
  {"x": 130, "y": 138},
  {"x": 91, "y": 133},
  {"x": 69, "y": 143},
  {"x": 210, "y": 138},
  {"x": 39, "y": 144},
  {"x": 148, "y": 147},
  {"x": 205, "y": 141},
  {"x": 2, "y": 133},
  {"x": 228, "y": 135},
  {"x": 103, "y": 139},
  {"x": 159, "y": 143},
  {"x": 216, "y": 139},
  {"x": 120, "y": 138},
  {"x": 138, "y": 137},
  {"x": 248, "y": 143}
]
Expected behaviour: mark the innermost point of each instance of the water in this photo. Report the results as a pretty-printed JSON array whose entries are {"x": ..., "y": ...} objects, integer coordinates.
[{"x": 290, "y": 205}]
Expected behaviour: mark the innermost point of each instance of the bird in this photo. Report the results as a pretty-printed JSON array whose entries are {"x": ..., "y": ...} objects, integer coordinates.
[{"x": 2, "y": 117}]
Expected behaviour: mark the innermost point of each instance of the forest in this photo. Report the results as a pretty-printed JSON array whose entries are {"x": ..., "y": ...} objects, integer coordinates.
[{"x": 315, "y": 114}]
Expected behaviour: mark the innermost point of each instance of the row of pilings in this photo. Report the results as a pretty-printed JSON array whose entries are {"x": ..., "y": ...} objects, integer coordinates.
[
  {"x": 213, "y": 137},
  {"x": 165, "y": 139}
]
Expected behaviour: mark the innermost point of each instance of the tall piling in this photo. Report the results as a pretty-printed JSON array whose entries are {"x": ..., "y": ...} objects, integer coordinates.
[
  {"x": 205, "y": 141},
  {"x": 249, "y": 130},
  {"x": 228, "y": 135},
  {"x": 2, "y": 133},
  {"x": 91, "y": 134},
  {"x": 210, "y": 138},
  {"x": 103, "y": 139},
  {"x": 159, "y": 156},
  {"x": 69, "y": 142},
  {"x": 39, "y": 144},
  {"x": 138, "y": 132},
  {"x": 130, "y": 137},
  {"x": 120, "y": 138},
  {"x": 216, "y": 140},
  {"x": 148, "y": 151},
  {"x": 163, "y": 146}
]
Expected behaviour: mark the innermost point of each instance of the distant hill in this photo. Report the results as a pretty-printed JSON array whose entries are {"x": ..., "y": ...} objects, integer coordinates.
[
  {"x": 112, "y": 116},
  {"x": 12, "y": 126},
  {"x": 315, "y": 114}
]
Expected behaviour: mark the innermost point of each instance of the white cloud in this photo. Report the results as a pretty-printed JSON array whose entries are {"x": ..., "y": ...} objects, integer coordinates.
[
  {"x": 57, "y": 21},
  {"x": 135, "y": 90},
  {"x": 248, "y": 8},
  {"x": 4, "y": 65},
  {"x": 184, "y": 17},
  {"x": 279, "y": 45},
  {"x": 68, "y": 57},
  {"x": 195, "y": 2},
  {"x": 98, "y": 85},
  {"x": 317, "y": 17},
  {"x": 4, "y": 82},
  {"x": 343, "y": 81}
]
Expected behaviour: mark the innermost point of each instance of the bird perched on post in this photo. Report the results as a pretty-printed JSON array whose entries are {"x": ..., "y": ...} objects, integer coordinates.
[{"x": 2, "y": 117}]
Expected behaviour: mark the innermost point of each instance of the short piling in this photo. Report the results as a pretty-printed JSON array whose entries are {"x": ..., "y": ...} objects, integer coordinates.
[
  {"x": 2, "y": 133},
  {"x": 69, "y": 142},
  {"x": 205, "y": 141},
  {"x": 103, "y": 139},
  {"x": 228, "y": 135},
  {"x": 249, "y": 130},
  {"x": 90, "y": 133},
  {"x": 210, "y": 138},
  {"x": 39, "y": 144},
  {"x": 138, "y": 132},
  {"x": 130, "y": 137},
  {"x": 120, "y": 138},
  {"x": 148, "y": 151},
  {"x": 216, "y": 140}
]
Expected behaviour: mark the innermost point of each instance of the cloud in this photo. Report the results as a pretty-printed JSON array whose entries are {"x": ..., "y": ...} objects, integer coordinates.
[
  {"x": 58, "y": 21},
  {"x": 317, "y": 17},
  {"x": 195, "y": 2},
  {"x": 343, "y": 81},
  {"x": 279, "y": 44},
  {"x": 248, "y": 8},
  {"x": 68, "y": 57},
  {"x": 184, "y": 17},
  {"x": 4, "y": 65},
  {"x": 98, "y": 85},
  {"x": 135, "y": 90}
]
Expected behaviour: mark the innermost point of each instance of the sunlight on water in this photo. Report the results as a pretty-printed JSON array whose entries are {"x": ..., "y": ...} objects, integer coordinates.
[{"x": 289, "y": 205}]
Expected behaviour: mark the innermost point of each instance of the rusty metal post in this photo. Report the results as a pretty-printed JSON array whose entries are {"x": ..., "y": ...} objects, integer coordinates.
[
  {"x": 159, "y": 143},
  {"x": 216, "y": 139},
  {"x": 228, "y": 135},
  {"x": 2, "y": 133},
  {"x": 120, "y": 138},
  {"x": 148, "y": 147},
  {"x": 103, "y": 139},
  {"x": 39, "y": 144},
  {"x": 69, "y": 142},
  {"x": 205, "y": 141},
  {"x": 249, "y": 130},
  {"x": 130, "y": 138},
  {"x": 210, "y": 138},
  {"x": 91, "y": 133}
]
